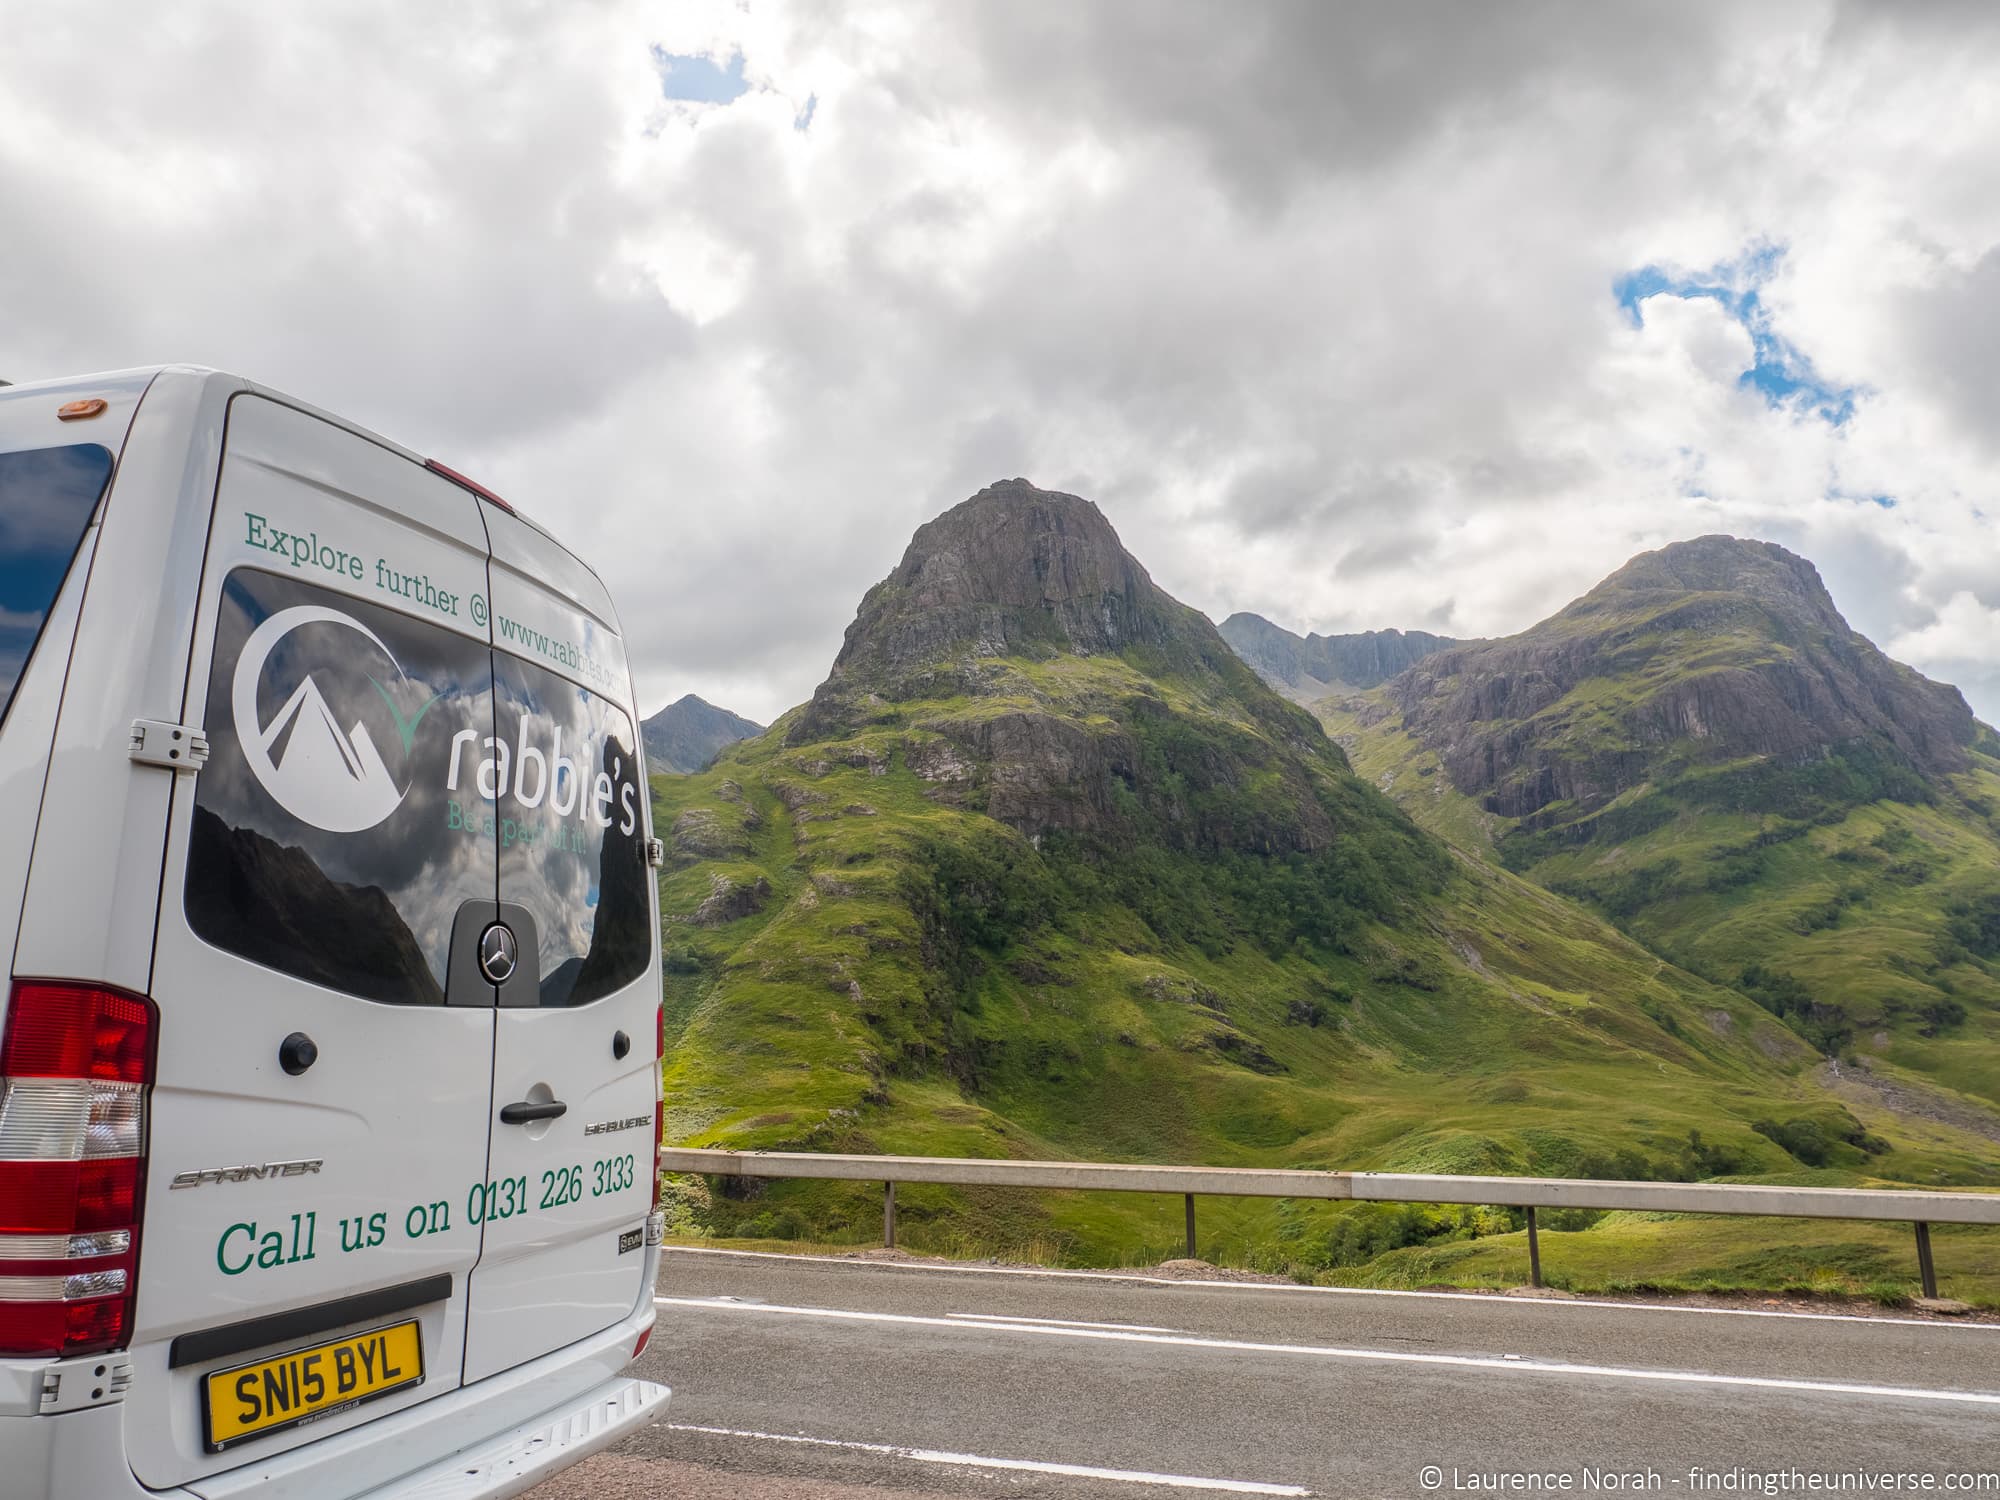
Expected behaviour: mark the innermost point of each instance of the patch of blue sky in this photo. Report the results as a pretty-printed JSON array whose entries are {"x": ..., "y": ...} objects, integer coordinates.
[
  {"x": 804, "y": 118},
  {"x": 1779, "y": 370},
  {"x": 699, "y": 80}
]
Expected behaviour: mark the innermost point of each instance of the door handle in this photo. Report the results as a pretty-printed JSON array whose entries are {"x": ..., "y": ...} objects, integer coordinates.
[{"x": 523, "y": 1112}]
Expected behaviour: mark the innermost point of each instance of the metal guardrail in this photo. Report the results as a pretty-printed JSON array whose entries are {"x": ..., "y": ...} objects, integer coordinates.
[{"x": 1920, "y": 1208}]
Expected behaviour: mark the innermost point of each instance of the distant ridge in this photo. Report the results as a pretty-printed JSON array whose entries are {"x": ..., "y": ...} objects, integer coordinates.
[
  {"x": 1311, "y": 666},
  {"x": 690, "y": 732}
]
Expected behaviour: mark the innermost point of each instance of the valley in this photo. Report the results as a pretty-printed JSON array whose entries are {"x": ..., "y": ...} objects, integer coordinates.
[{"x": 1044, "y": 869}]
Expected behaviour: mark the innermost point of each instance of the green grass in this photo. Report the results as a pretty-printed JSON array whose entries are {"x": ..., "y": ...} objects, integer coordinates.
[
  {"x": 1851, "y": 909},
  {"x": 1663, "y": 1253},
  {"x": 1480, "y": 1248}
]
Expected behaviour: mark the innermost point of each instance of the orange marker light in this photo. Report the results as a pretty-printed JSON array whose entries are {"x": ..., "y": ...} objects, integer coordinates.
[{"x": 77, "y": 411}]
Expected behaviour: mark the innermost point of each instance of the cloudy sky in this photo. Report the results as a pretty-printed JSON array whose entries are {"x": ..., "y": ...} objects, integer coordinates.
[{"x": 1354, "y": 316}]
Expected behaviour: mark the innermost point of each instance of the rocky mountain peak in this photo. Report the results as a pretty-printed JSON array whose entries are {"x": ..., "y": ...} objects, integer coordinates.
[
  {"x": 1013, "y": 572},
  {"x": 1020, "y": 660},
  {"x": 1756, "y": 573},
  {"x": 1706, "y": 651},
  {"x": 690, "y": 732}
]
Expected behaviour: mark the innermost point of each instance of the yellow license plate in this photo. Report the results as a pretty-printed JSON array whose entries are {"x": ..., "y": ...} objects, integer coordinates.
[{"x": 306, "y": 1384}]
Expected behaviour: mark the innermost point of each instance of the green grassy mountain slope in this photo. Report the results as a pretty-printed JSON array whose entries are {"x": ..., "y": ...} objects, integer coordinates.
[
  {"x": 1044, "y": 870},
  {"x": 1703, "y": 751}
]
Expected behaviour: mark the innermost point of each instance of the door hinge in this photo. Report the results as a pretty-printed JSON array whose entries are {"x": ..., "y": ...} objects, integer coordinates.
[
  {"x": 656, "y": 853},
  {"x": 93, "y": 1380},
  {"x": 177, "y": 747}
]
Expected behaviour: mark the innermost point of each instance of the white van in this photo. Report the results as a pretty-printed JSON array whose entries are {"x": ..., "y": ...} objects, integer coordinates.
[{"x": 329, "y": 1048}]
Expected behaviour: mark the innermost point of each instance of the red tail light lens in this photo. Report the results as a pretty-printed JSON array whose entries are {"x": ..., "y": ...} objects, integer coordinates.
[
  {"x": 57, "y": 1031},
  {"x": 76, "y": 1062},
  {"x": 471, "y": 484}
]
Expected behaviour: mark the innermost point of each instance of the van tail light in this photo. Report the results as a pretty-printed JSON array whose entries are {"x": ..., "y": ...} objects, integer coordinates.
[
  {"x": 470, "y": 484},
  {"x": 76, "y": 1066}
]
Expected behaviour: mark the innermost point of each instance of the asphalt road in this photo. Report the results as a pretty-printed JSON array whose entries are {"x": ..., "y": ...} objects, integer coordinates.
[{"x": 845, "y": 1380}]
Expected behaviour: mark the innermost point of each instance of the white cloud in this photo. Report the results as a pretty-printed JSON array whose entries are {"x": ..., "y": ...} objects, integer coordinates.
[
  {"x": 1316, "y": 301},
  {"x": 1963, "y": 630}
]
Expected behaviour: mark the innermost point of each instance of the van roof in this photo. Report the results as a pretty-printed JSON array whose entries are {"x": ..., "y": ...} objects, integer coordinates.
[{"x": 239, "y": 383}]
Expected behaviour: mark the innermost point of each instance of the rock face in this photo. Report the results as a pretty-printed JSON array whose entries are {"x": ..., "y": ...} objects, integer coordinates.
[
  {"x": 1015, "y": 571},
  {"x": 1311, "y": 666},
  {"x": 730, "y": 899},
  {"x": 1120, "y": 701},
  {"x": 1706, "y": 651},
  {"x": 689, "y": 733}
]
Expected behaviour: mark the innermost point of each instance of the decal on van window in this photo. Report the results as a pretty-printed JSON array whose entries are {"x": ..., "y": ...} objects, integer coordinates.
[
  {"x": 369, "y": 774},
  {"x": 321, "y": 844},
  {"x": 331, "y": 777},
  {"x": 571, "y": 829},
  {"x": 305, "y": 549}
]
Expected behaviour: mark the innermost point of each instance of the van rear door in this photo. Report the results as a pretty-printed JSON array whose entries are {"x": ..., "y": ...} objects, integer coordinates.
[
  {"x": 320, "y": 1122},
  {"x": 575, "y": 1085}
]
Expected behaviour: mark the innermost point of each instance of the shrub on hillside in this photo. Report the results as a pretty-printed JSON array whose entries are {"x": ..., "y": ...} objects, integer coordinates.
[
  {"x": 1365, "y": 1230},
  {"x": 1975, "y": 924},
  {"x": 1785, "y": 996},
  {"x": 1818, "y": 1143}
]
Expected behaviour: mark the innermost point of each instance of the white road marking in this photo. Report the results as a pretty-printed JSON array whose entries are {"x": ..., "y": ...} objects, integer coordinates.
[
  {"x": 1064, "y": 1322},
  {"x": 982, "y": 1461},
  {"x": 1383, "y": 1356},
  {"x": 1491, "y": 1299}
]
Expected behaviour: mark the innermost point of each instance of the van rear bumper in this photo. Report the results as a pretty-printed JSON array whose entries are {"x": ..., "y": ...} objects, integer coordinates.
[
  {"x": 523, "y": 1457},
  {"x": 511, "y": 1430}
]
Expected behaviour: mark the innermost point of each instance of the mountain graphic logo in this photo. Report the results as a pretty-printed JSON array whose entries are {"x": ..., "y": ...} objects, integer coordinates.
[{"x": 320, "y": 772}]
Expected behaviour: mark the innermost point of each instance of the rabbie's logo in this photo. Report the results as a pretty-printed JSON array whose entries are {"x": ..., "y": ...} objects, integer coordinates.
[{"x": 333, "y": 778}]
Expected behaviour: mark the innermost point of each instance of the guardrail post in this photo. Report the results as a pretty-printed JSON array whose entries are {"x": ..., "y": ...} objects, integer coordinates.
[
  {"x": 1534, "y": 1251},
  {"x": 889, "y": 1215},
  {"x": 1925, "y": 1269},
  {"x": 1190, "y": 1224}
]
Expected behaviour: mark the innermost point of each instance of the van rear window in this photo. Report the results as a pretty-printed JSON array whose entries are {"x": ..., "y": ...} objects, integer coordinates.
[
  {"x": 47, "y": 497},
  {"x": 572, "y": 832},
  {"x": 331, "y": 839}
]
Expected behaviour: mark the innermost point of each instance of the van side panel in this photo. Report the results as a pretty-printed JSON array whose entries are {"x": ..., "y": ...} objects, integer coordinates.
[
  {"x": 28, "y": 421},
  {"x": 95, "y": 882},
  {"x": 24, "y": 748}
]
